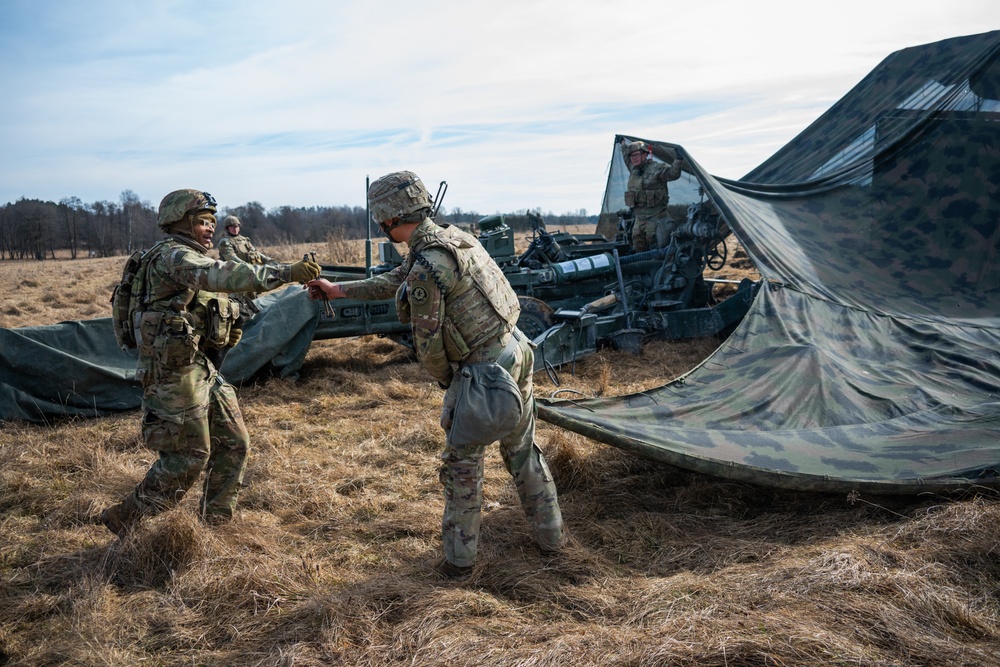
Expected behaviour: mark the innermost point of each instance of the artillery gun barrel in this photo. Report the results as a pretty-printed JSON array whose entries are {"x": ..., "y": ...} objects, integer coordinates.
[{"x": 600, "y": 264}]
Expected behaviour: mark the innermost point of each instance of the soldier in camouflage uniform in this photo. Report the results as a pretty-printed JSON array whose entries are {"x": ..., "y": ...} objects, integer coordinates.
[
  {"x": 234, "y": 246},
  {"x": 190, "y": 414},
  {"x": 463, "y": 312},
  {"x": 647, "y": 195}
]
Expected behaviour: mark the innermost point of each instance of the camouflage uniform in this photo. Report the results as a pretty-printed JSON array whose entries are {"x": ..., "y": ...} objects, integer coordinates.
[
  {"x": 647, "y": 195},
  {"x": 240, "y": 248},
  {"x": 191, "y": 415},
  {"x": 463, "y": 310}
]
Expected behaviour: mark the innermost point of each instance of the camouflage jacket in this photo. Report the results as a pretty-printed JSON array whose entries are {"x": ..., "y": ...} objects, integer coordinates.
[
  {"x": 184, "y": 308},
  {"x": 453, "y": 294},
  {"x": 240, "y": 247},
  {"x": 647, "y": 192}
]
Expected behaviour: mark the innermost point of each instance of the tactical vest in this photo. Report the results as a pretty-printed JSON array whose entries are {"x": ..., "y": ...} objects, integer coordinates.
[
  {"x": 175, "y": 321},
  {"x": 482, "y": 305},
  {"x": 645, "y": 188},
  {"x": 243, "y": 248}
]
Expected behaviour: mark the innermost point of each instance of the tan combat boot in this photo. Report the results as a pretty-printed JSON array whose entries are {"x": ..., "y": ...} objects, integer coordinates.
[
  {"x": 123, "y": 517},
  {"x": 453, "y": 572}
]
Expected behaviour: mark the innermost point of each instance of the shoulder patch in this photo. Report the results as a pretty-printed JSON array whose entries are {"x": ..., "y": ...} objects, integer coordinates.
[{"x": 419, "y": 295}]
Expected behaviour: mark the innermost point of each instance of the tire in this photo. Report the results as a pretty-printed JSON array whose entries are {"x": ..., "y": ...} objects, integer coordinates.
[{"x": 536, "y": 316}]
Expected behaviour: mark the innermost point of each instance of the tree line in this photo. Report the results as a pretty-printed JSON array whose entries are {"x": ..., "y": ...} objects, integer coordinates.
[{"x": 36, "y": 229}]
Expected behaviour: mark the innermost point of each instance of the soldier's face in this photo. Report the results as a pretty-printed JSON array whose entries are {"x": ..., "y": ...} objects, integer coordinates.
[
  {"x": 637, "y": 158},
  {"x": 203, "y": 228}
]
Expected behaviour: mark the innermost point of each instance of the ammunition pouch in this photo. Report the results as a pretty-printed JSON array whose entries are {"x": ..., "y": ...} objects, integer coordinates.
[
  {"x": 149, "y": 329},
  {"x": 214, "y": 323},
  {"x": 653, "y": 197},
  {"x": 220, "y": 315},
  {"x": 176, "y": 344}
]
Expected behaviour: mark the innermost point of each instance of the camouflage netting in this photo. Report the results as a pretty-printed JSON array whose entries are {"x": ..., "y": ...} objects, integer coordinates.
[
  {"x": 77, "y": 369},
  {"x": 870, "y": 359}
]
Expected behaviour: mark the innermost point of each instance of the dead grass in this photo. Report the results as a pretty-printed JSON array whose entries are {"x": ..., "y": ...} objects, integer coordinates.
[{"x": 327, "y": 560}]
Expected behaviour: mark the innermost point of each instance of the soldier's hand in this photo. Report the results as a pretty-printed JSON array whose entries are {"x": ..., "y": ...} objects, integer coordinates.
[
  {"x": 324, "y": 289},
  {"x": 234, "y": 337},
  {"x": 303, "y": 271}
]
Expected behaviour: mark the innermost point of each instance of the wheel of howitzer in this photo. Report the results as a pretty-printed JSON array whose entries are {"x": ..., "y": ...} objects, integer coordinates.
[{"x": 536, "y": 316}]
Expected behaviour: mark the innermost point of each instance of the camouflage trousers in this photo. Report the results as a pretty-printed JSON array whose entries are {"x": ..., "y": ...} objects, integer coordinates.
[
  {"x": 651, "y": 233},
  {"x": 462, "y": 476},
  {"x": 193, "y": 420}
]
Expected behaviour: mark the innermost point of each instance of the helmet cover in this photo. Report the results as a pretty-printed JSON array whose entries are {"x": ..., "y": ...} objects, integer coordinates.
[
  {"x": 396, "y": 195},
  {"x": 632, "y": 146},
  {"x": 179, "y": 203}
]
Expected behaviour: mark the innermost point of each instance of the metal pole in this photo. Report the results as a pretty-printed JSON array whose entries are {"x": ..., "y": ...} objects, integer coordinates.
[
  {"x": 368, "y": 232},
  {"x": 621, "y": 284}
]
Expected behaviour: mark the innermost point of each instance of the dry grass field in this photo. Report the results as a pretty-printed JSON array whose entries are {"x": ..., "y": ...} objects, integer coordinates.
[{"x": 327, "y": 561}]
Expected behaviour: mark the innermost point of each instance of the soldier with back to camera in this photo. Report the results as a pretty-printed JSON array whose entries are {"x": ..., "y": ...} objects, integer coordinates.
[
  {"x": 647, "y": 195},
  {"x": 463, "y": 315},
  {"x": 190, "y": 414}
]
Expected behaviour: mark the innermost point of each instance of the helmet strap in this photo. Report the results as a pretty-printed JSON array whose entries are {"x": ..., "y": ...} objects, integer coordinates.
[
  {"x": 416, "y": 216},
  {"x": 387, "y": 229}
]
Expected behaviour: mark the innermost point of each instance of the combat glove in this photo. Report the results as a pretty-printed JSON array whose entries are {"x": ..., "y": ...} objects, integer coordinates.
[
  {"x": 302, "y": 272},
  {"x": 234, "y": 337}
]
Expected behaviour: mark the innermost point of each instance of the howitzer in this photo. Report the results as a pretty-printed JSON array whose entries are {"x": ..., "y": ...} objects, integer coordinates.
[
  {"x": 659, "y": 294},
  {"x": 579, "y": 292}
]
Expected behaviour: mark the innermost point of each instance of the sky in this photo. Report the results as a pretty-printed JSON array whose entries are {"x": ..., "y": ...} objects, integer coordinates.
[{"x": 515, "y": 104}]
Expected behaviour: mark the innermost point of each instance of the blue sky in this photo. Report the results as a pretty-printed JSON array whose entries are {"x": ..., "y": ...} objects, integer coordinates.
[{"x": 514, "y": 103}]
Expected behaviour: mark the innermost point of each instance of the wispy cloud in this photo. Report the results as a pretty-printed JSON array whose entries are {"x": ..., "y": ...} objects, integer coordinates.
[{"x": 515, "y": 104}]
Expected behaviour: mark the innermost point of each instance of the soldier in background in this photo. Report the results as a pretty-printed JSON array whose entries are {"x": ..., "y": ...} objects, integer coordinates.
[
  {"x": 463, "y": 314},
  {"x": 190, "y": 414},
  {"x": 647, "y": 195},
  {"x": 234, "y": 246}
]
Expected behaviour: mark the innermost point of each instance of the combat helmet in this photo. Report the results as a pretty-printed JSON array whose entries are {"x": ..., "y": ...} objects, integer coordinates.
[
  {"x": 629, "y": 147},
  {"x": 229, "y": 221},
  {"x": 397, "y": 198},
  {"x": 179, "y": 203}
]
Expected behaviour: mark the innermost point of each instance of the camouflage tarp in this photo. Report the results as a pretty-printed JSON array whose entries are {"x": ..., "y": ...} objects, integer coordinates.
[
  {"x": 870, "y": 360},
  {"x": 76, "y": 368}
]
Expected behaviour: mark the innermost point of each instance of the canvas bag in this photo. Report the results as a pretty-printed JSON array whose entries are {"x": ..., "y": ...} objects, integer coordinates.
[{"x": 488, "y": 405}]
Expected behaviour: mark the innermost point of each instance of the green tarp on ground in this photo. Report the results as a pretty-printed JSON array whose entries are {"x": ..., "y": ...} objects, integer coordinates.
[
  {"x": 76, "y": 369},
  {"x": 870, "y": 359}
]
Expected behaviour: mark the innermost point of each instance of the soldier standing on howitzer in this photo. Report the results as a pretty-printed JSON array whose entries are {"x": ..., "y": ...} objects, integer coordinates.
[
  {"x": 463, "y": 314},
  {"x": 647, "y": 195},
  {"x": 190, "y": 414}
]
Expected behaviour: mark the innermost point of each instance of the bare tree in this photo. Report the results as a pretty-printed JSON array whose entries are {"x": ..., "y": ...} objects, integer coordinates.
[
  {"x": 69, "y": 209},
  {"x": 130, "y": 206},
  {"x": 102, "y": 229},
  {"x": 34, "y": 223},
  {"x": 6, "y": 241}
]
